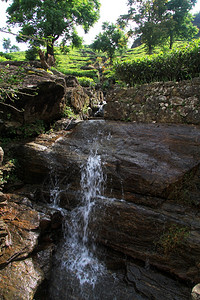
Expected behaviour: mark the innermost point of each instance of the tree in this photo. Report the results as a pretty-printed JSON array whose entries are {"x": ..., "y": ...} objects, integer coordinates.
[
  {"x": 14, "y": 48},
  {"x": 159, "y": 20},
  {"x": 6, "y": 44},
  {"x": 44, "y": 21},
  {"x": 178, "y": 20},
  {"x": 111, "y": 39},
  {"x": 196, "y": 22},
  {"x": 148, "y": 16}
]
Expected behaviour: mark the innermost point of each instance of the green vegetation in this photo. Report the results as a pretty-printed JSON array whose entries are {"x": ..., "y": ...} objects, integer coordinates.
[
  {"x": 69, "y": 113},
  {"x": 27, "y": 130},
  {"x": 86, "y": 82},
  {"x": 131, "y": 67},
  {"x": 17, "y": 56},
  {"x": 43, "y": 22},
  {"x": 158, "y": 24},
  {"x": 159, "y": 20},
  {"x": 8, "y": 172},
  {"x": 177, "y": 64},
  {"x": 172, "y": 238},
  {"x": 110, "y": 40},
  {"x": 9, "y": 82},
  {"x": 8, "y": 47},
  {"x": 79, "y": 63}
]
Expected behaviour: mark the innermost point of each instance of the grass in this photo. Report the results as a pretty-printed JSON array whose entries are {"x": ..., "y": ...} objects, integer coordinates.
[
  {"x": 83, "y": 63},
  {"x": 76, "y": 63}
]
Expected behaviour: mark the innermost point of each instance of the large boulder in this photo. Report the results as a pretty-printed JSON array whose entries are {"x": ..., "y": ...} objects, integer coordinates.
[
  {"x": 35, "y": 95},
  {"x": 152, "y": 187}
]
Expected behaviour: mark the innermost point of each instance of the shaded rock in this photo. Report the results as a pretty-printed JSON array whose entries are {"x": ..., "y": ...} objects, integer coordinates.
[
  {"x": 77, "y": 98},
  {"x": 153, "y": 285},
  {"x": 165, "y": 240},
  {"x": 39, "y": 95},
  {"x": 65, "y": 124},
  {"x": 71, "y": 81},
  {"x": 3, "y": 197},
  {"x": 44, "y": 259}
]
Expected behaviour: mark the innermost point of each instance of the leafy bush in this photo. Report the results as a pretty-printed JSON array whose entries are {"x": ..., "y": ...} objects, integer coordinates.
[
  {"x": 177, "y": 64},
  {"x": 2, "y": 58},
  {"x": 69, "y": 113},
  {"x": 33, "y": 129},
  {"x": 5, "y": 56},
  {"x": 86, "y": 81},
  {"x": 80, "y": 73},
  {"x": 31, "y": 54}
]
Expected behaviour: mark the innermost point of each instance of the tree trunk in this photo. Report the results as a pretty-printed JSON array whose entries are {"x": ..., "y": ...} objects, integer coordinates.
[
  {"x": 50, "y": 54},
  {"x": 43, "y": 61},
  {"x": 171, "y": 40},
  {"x": 150, "y": 49}
]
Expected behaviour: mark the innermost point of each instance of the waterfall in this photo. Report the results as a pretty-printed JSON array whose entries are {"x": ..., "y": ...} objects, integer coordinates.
[
  {"x": 79, "y": 244},
  {"x": 87, "y": 263}
]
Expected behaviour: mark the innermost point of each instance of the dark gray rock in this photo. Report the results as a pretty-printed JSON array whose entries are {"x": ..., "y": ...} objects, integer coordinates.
[{"x": 154, "y": 168}]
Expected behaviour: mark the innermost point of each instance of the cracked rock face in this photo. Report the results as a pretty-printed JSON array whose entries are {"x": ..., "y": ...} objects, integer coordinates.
[
  {"x": 20, "y": 276},
  {"x": 20, "y": 280}
]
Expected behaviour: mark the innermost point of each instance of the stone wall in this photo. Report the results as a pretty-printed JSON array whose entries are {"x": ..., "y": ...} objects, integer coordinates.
[{"x": 169, "y": 102}]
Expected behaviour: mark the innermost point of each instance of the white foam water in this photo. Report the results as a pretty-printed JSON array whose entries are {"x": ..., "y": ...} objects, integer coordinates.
[{"x": 80, "y": 246}]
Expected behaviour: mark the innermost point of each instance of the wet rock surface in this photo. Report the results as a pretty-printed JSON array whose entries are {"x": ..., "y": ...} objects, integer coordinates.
[
  {"x": 122, "y": 280},
  {"x": 154, "y": 168}
]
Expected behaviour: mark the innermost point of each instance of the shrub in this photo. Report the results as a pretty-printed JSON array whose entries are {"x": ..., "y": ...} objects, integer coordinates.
[
  {"x": 80, "y": 73},
  {"x": 177, "y": 64},
  {"x": 31, "y": 54},
  {"x": 2, "y": 58},
  {"x": 5, "y": 56},
  {"x": 86, "y": 81}
]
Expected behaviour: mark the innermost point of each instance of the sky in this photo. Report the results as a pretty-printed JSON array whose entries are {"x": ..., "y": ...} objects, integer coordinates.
[{"x": 110, "y": 11}]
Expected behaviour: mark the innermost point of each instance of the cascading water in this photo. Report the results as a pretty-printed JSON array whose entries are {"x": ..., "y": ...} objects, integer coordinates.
[
  {"x": 76, "y": 263},
  {"x": 77, "y": 270},
  {"x": 81, "y": 259}
]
